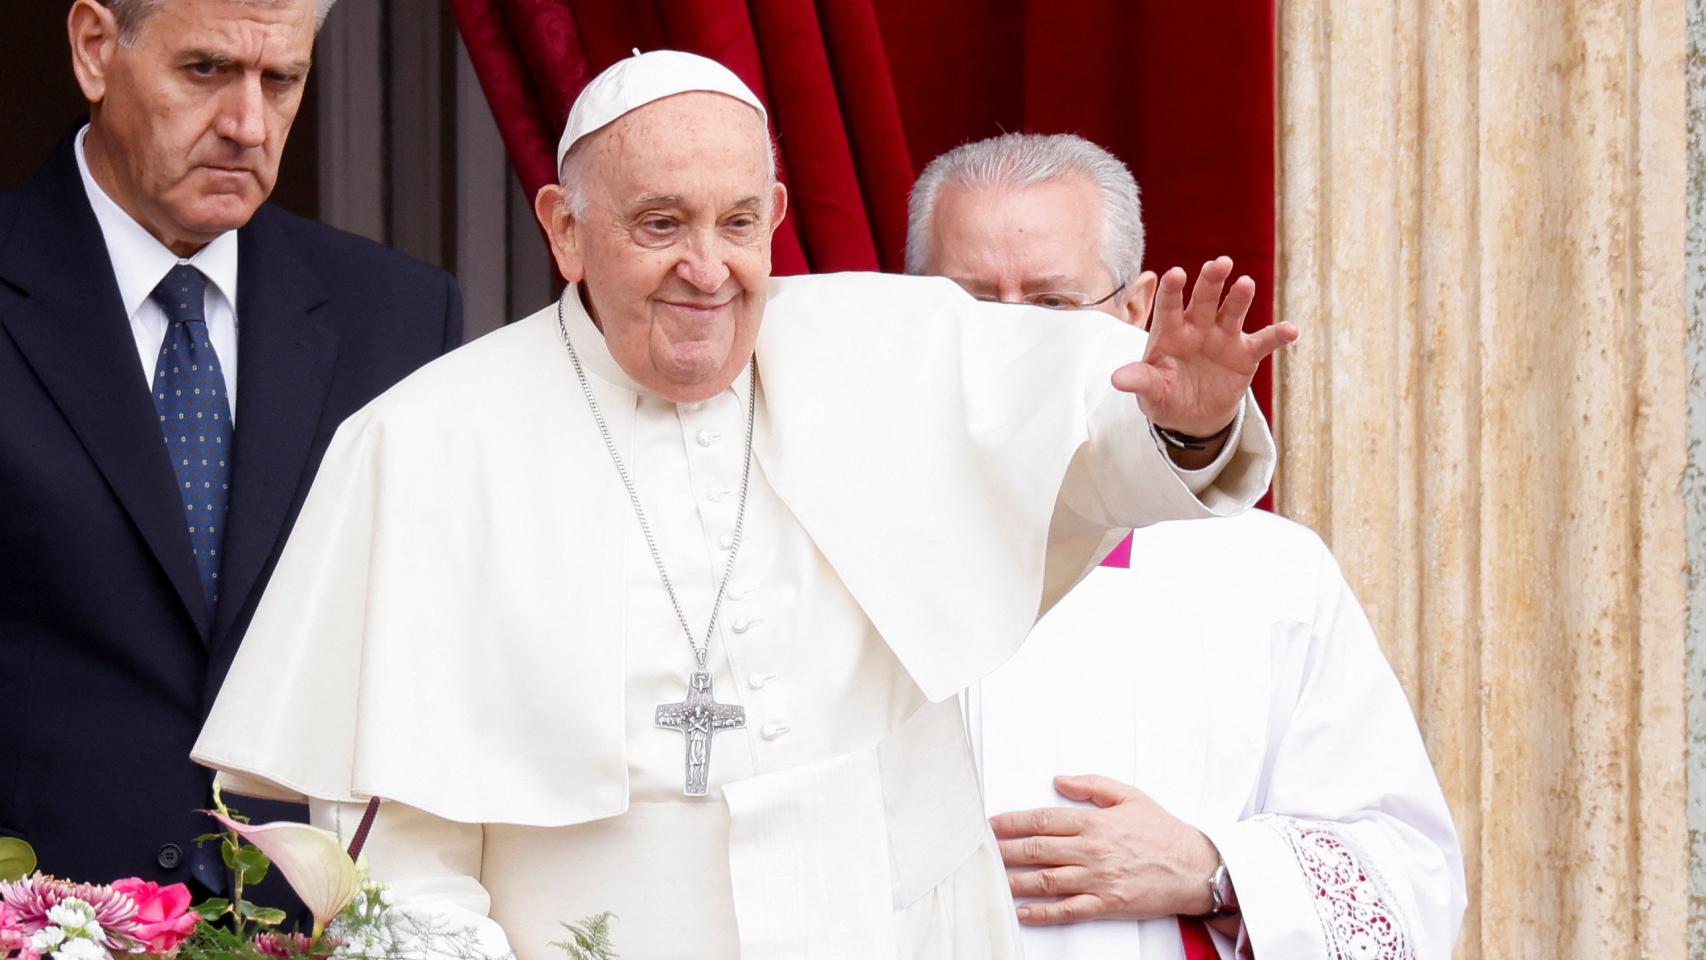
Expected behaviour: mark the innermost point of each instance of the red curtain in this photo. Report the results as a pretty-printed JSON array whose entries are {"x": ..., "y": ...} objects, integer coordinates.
[{"x": 864, "y": 92}]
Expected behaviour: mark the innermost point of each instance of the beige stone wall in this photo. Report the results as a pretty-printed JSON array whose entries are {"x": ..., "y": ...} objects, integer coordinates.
[{"x": 1482, "y": 238}]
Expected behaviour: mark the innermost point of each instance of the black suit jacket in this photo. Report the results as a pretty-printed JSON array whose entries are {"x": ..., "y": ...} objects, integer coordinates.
[{"x": 108, "y": 661}]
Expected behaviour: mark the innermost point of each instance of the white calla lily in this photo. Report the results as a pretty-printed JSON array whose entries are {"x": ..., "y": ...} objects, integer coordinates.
[{"x": 312, "y": 861}]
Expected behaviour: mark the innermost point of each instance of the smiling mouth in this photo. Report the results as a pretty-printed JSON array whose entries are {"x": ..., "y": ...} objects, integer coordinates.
[{"x": 696, "y": 307}]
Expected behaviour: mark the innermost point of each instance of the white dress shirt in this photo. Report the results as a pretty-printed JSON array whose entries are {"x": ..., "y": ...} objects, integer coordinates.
[{"x": 140, "y": 262}]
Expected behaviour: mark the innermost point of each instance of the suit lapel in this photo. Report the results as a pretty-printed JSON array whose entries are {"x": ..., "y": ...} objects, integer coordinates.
[
  {"x": 72, "y": 329},
  {"x": 285, "y": 361}
]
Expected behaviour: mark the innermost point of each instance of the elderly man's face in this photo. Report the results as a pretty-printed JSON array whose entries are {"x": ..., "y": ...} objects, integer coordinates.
[
  {"x": 674, "y": 243},
  {"x": 1017, "y": 244},
  {"x": 187, "y": 125}
]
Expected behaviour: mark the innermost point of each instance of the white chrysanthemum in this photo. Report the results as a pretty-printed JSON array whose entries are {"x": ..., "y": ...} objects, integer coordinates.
[
  {"x": 77, "y": 917},
  {"x": 45, "y": 939},
  {"x": 81, "y": 950}
]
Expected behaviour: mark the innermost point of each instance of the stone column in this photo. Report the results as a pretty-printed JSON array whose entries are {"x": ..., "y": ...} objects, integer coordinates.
[
  {"x": 1481, "y": 223},
  {"x": 1694, "y": 477}
]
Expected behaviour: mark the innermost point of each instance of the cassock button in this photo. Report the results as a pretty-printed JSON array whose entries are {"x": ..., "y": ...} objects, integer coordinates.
[
  {"x": 743, "y": 625},
  {"x": 773, "y": 731},
  {"x": 738, "y": 593},
  {"x": 708, "y": 437},
  {"x": 726, "y": 541},
  {"x": 169, "y": 856},
  {"x": 757, "y": 681}
]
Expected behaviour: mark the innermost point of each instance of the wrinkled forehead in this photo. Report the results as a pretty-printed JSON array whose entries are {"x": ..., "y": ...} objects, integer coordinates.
[
  {"x": 269, "y": 33},
  {"x": 1042, "y": 234},
  {"x": 689, "y": 138}
]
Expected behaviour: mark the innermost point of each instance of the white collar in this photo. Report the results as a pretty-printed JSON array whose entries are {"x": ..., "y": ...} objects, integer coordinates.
[
  {"x": 139, "y": 260},
  {"x": 594, "y": 352}
]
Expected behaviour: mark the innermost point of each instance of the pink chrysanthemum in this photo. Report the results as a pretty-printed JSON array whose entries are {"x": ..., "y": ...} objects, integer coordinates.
[
  {"x": 12, "y": 935},
  {"x": 29, "y": 900}
]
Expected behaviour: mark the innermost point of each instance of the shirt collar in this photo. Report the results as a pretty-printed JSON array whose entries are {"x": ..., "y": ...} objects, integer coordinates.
[
  {"x": 139, "y": 260},
  {"x": 595, "y": 352}
]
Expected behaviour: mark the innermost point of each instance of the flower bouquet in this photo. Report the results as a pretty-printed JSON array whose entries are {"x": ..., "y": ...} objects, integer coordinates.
[{"x": 46, "y": 918}]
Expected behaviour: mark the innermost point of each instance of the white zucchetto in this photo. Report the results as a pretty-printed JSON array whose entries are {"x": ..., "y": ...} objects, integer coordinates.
[{"x": 643, "y": 78}]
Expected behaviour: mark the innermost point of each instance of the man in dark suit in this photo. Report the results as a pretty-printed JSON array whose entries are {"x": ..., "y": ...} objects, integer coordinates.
[{"x": 174, "y": 357}]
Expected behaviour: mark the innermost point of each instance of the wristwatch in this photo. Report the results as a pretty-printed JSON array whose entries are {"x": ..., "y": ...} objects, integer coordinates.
[
  {"x": 1223, "y": 900},
  {"x": 1184, "y": 441}
]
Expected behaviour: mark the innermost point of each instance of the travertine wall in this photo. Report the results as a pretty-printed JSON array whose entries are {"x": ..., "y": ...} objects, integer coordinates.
[{"x": 1482, "y": 237}]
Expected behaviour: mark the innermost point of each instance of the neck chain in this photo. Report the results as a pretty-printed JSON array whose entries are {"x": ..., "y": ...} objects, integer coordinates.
[{"x": 699, "y": 651}]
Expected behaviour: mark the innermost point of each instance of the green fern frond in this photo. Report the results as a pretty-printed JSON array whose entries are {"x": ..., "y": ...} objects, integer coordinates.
[{"x": 589, "y": 939}]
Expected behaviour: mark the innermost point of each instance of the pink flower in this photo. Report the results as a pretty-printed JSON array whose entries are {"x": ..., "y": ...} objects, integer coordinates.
[
  {"x": 12, "y": 935},
  {"x": 163, "y": 915},
  {"x": 29, "y": 900},
  {"x": 291, "y": 946}
]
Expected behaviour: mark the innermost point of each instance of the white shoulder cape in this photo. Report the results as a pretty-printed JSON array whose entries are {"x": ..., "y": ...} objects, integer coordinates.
[{"x": 439, "y": 630}]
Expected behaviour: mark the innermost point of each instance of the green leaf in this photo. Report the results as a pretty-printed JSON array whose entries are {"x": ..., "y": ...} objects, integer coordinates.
[
  {"x": 210, "y": 838},
  {"x": 245, "y": 860},
  {"x": 252, "y": 863},
  {"x": 213, "y": 908},
  {"x": 17, "y": 859},
  {"x": 267, "y": 916},
  {"x": 590, "y": 939}
]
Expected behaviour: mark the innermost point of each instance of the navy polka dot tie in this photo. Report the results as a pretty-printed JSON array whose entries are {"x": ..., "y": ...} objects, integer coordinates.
[{"x": 189, "y": 396}]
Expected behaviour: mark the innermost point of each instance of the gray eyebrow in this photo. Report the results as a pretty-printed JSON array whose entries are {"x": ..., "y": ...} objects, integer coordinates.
[
  {"x": 206, "y": 56},
  {"x": 298, "y": 69}
]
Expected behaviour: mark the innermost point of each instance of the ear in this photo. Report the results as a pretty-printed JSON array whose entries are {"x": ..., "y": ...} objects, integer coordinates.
[
  {"x": 1139, "y": 298},
  {"x": 93, "y": 32},
  {"x": 551, "y": 205},
  {"x": 778, "y": 207}
]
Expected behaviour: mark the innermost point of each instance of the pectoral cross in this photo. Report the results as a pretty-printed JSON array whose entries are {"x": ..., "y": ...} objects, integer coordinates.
[{"x": 699, "y": 716}]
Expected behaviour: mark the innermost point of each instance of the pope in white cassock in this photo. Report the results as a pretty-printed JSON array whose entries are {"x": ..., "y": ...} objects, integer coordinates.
[
  {"x": 1260, "y": 751},
  {"x": 657, "y": 601}
]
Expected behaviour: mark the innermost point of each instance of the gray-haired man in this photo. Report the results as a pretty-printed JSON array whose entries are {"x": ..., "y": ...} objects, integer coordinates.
[
  {"x": 1286, "y": 796},
  {"x": 174, "y": 356}
]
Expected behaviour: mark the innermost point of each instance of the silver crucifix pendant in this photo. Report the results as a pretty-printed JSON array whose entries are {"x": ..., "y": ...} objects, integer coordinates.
[{"x": 699, "y": 716}]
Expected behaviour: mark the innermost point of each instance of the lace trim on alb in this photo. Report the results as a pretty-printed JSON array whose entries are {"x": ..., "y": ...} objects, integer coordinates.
[{"x": 1359, "y": 917}]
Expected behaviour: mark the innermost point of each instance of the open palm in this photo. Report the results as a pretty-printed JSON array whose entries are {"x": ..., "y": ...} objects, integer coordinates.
[{"x": 1200, "y": 361}]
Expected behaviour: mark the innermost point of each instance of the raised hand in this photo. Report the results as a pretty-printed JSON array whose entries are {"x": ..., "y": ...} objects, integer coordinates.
[
  {"x": 1200, "y": 361},
  {"x": 1128, "y": 858}
]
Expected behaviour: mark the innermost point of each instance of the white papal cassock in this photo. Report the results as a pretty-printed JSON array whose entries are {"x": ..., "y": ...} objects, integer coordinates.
[
  {"x": 1272, "y": 723},
  {"x": 466, "y": 620}
]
